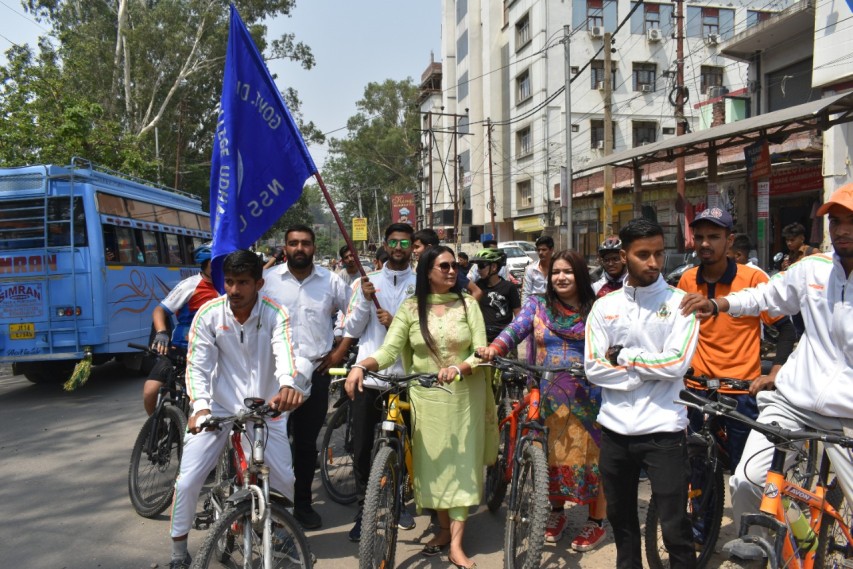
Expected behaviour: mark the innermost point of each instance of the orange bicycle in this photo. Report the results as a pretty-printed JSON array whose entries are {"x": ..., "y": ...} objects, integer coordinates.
[{"x": 811, "y": 528}]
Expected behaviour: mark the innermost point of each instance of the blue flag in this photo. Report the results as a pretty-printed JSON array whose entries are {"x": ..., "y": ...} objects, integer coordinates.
[{"x": 260, "y": 162}]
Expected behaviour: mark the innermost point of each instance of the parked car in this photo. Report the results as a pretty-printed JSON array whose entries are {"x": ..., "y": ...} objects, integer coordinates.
[
  {"x": 516, "y": 261},
  {"x": 527, "y": 246}
]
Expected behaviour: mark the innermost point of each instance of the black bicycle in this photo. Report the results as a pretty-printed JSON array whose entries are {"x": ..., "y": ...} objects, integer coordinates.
[
  {"x": 336, "y": 469},
  {"x": 156, "y": 456}
]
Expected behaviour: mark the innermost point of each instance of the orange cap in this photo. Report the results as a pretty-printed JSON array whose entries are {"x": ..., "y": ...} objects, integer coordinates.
[{"x": 843, "y": 196}]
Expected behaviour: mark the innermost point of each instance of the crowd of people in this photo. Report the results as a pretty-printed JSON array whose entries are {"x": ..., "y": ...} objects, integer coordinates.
[{"x": 276, "y": 332}]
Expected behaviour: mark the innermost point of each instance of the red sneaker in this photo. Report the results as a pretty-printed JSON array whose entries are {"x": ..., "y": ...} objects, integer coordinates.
[
  {"x": 590, "y": 536},
  {"x": 556, "y": 526}
]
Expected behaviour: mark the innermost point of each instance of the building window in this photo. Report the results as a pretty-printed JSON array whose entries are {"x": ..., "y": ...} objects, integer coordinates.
[
  {"x": 644, "y": 76},
  {"x": 461, "y": 9},
  {"x": 462, "y": 87},
  {"x": 594, "y": 13},
  {"x": 668, "y": 130},
  {"x": 462, "y": 47},
  {"x": 711, "y": 77},
  {"x": 522, "y": 87},
  {"x": 524, "y": 194},
  {"x": 710, "y": 22},
  {"x": 522, "y": 32},
  {"x": 754, "y": 17},
  {"x": 597, "y": 74},
  {"x": 523, "y": 143},
  {"x": 644, "y": 132},
  {"x": 651, "y": 19},
  {"x": 506, "y": 13},
  {"x": 596, "y": 134}
]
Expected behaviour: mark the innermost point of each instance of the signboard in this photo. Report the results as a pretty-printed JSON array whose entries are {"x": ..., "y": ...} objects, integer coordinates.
[
  {"x": 21, "y": 300},
  {"x": 763, "y": 200},
  {"x": 359, "y": 229},
  {"x": 757, "y": 158},
  {"x": 403, "y": 208},
  {"x": 713, "y": 199},
  {"x": 796, "y": 180},
  {"x": 467, "y": 179}
]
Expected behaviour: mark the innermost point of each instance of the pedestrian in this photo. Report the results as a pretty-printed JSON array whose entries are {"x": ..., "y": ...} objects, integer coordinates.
[
  {"x": 638, "y": 348},
  {"x": 614, "y": 271},
  {"x": 794, "y": 235},
  {"x": 535, "y": 275},
  {"x": 500, "y": 302},
  {"x": 348, "y": 271}
]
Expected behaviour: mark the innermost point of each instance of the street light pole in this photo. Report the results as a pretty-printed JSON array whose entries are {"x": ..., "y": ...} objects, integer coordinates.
[{"x": 568, "y": 92}]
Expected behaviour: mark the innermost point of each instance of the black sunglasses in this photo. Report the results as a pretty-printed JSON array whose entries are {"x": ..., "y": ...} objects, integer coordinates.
[
  {"x": 446, "y": 266},
  {"x": 404, "y": 243}
]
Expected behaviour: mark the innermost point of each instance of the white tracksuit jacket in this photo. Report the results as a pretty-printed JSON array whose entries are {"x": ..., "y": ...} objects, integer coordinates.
[
  {"x": 228, "y": 361},
  {"x": 638, "y": 394},
  {"x": 392, "y": 288},
  {"x": 819, "y": 374}
]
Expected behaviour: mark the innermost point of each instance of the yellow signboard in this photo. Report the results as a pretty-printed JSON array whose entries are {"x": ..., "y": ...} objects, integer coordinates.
[{"x": 359, "y": 229}]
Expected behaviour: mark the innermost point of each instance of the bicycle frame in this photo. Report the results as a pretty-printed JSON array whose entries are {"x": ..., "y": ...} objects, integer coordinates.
[
  {"x": 392, "y": 431},
  {"x": 529, "y": 431}
]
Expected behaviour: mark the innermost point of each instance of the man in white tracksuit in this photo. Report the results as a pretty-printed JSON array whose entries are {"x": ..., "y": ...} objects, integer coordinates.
[
  {"x": 814, "y": 389},
  {"x": 392, "y": 284},
  {"x": 239, "y": 346},
  {"x": 638, "y": 348}
]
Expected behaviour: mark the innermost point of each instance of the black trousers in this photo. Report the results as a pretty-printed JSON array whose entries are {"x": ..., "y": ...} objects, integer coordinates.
[
  {"x": 366, "y": 413},
  {"x": 304, "y": 427},
  {"x": 664, "y": 457}
]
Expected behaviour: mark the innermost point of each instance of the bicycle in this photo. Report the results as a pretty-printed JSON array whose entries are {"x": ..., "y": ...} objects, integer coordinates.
[
  {"x": 390, "y": 481},
  {"x": 156, "y": 456},
  {"x": 522, "y": 463},
  {"x": 336, "y": 468},
  {"x": 709, "y": 459},
  {"x": 822, "y": 538},
  {"x": 250, "y": 523}
]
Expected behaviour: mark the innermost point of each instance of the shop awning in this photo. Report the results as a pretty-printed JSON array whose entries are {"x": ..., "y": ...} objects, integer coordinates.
[{"x": 776, "y": 126}]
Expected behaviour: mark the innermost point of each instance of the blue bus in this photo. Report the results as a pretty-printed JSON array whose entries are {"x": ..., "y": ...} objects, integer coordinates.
[{"x": 85, "y": 256}]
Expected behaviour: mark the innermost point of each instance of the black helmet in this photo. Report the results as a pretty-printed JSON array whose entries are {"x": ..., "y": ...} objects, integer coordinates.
[{"x": 612, "y": 243}]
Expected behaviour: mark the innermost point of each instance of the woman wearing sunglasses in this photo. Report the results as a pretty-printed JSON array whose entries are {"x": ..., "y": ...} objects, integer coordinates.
[
  {"x": 454, "y": 434},
  {"x": 556, "y": 322}
]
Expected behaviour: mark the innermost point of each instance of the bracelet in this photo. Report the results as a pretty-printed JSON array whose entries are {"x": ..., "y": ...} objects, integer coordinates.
[
  {"x": 716, "y": 311},
  {"x": 361, "y": 367},
  {"x": 458, "y": 371}
]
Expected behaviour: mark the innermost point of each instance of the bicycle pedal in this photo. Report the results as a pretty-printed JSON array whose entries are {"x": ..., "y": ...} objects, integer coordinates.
[{"x": 203, "y": 521}]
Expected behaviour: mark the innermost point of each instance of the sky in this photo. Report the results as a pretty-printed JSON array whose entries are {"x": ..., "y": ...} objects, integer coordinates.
[{"x": 354, "y": 42}]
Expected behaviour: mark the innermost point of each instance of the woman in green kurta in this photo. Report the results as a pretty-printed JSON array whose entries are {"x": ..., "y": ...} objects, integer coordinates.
[{"x": 453, "y": 434}]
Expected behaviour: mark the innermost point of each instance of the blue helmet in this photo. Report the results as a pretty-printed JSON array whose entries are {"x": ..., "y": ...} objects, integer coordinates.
[{"x": 202, "y": 254}]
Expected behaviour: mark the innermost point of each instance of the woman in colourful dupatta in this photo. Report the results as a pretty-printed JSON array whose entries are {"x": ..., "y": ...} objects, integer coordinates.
[
  {"x": 557, "y": 323},
  {"x": 454, "y": 431}
]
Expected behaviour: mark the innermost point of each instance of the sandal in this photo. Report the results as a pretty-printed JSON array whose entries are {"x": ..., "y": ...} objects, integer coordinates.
[{"x": 435, "y": 549}]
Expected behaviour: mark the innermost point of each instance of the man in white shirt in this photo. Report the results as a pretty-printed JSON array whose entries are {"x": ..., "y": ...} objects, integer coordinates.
[
  {"x": 239, "y": 346},
  {"x": 348, "y": 271},
  {"x": 638, "y": 348},
  {"x": 536, "y": 274},
  {"x": 391, "y": 285},
  {"x": 313, "y": 296}
]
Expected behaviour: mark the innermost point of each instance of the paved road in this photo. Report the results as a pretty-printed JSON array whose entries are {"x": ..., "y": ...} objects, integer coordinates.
[{"x": 64, "y": 491}]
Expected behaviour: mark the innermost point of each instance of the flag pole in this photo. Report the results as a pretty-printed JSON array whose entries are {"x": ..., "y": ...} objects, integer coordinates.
[{"x": 343, "y": 229}]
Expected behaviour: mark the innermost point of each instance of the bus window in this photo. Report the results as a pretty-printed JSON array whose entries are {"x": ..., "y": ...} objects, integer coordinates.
[
  {"x": 59, "y": 226},
  {"x": 167, "y": 216},
  {"x": 188, "y": 220},
  {"x": 110, "y": 244},
  {"x": 142, "y": 211},
  {"x": 22, "y": 224},
  {"x": 173, "y": 248},
  {"x": 126, "y": 249},
  {"x": 111, "y": 205},
  {"x": 147, "y": 242},
  {"x": 204, "y": 222}
]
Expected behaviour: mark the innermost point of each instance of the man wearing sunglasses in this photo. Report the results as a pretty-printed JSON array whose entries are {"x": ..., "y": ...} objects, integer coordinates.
[
  {"x": 615, "y": 270},
  {"x": 391, "y": 285}
]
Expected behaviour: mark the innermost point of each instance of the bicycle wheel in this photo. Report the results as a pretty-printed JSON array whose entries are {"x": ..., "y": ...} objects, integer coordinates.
[
  {"x": 222, "y": 488},
  {"x": 706, "y": 495},
  {"x": 154, "y": 467},
  {"x": 833, "y": 550},
  {"x": 290, "y": 548},
  {"x": 495, "y": 482},
  {"x": 379, "y": 517},
  {"x": 524, "y": 535},
  {"x": 336, "y": 469}
]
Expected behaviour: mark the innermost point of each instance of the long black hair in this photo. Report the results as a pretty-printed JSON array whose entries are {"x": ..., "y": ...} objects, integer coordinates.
[
  {"x": 583, "y": 282},
  {"x": 423, "y": 289}
]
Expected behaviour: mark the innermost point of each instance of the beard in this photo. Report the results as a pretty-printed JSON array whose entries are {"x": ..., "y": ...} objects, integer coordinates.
[{"x": 302, "y": 262}]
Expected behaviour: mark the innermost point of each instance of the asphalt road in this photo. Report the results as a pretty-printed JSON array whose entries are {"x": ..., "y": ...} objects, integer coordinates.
[{"x": 65, "y": 505}]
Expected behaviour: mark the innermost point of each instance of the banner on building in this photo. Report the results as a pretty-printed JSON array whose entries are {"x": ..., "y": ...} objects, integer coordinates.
[
  {"x": 757, "y": 158},
  {"x": 403, "y": 208},
  {"x": 359, "y": 229}
]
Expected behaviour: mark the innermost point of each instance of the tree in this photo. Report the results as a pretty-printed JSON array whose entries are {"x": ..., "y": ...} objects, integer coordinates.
[
  {"x": 379, "y": 152},
  {"x": 156, "y": 81}
]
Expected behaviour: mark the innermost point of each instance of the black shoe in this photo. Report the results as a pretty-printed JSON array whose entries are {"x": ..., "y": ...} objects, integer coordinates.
[
  {"x": 307, "y": 517},
  {"x": 355, "y": 532},
  {"x": 182, "y": 563}
]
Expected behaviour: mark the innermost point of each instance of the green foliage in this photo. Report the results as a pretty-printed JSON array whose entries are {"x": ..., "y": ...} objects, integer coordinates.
[
  {"x": 379, "y": 152},
  {"x": 114, "y": 73}
]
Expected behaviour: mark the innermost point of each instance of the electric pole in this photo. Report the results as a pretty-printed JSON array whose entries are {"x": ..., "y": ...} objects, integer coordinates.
[
  {"x": 492, "y": 205},
  {"x": 568, "y": 94},
  {"x": 608, "y": 134},
  {"x": 679, "y": 104}
]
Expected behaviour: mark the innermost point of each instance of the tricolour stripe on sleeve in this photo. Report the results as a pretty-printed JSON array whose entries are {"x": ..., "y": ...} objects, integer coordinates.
[
  {"x": 206, "y": 308},
  {"x": 287, "y": 334}
]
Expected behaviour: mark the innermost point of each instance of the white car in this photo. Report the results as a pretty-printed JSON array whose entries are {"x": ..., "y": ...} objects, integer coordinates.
[
  {"x": 516, "y": 261},
  {"x": 527, "y": 246}
]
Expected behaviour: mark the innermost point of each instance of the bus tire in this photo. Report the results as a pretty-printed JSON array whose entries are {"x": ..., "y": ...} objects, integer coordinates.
[{"x": 47, "y": 373}]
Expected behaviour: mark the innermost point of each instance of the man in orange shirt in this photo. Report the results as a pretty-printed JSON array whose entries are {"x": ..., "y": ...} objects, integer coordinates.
[{"x": 730, "y": 347}]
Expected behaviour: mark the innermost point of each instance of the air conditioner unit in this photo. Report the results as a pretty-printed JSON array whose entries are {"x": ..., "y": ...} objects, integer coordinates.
[
  {"x": 600, "y": 145},
  {"x": 712, "y": 39},
  {"x": 653, "y": 35},
  {"x": 599, "y": 85},
  {"x": 646, "y": 88},
  {"x": 596, "y": 31}
]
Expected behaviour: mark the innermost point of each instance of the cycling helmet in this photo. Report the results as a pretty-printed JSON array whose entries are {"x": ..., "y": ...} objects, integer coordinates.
[
  {"x": 202, "y": 254},
  {"x": 612, "y": 243},
  {"x": 489, "y": 256}
]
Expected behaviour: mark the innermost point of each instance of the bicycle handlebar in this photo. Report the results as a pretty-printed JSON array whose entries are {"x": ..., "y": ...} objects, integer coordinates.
[
  {"x": 506, "y": 364},
  {"x": 242, "y": 416},
  {"x": 773, "y": 432}
]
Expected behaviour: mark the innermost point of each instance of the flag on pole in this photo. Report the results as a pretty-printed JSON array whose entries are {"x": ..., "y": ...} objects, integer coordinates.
[{"x": 260, "y": 162}]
